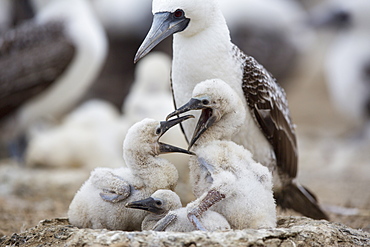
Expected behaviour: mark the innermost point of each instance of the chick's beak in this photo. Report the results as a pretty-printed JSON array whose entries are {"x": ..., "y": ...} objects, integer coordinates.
[
  {"x": 206, "y": 120},
  {"x": 148, "y": 204},
  {"x": 165, "y": 126}
]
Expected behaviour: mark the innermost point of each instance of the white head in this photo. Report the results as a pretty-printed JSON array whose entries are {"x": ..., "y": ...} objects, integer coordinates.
[
  {"x": 188, "y": 17},
  {"x": 142, "y": 139},
  {"x": 223, "y": 112},
  {"x": 160, "y": 202},
  {"x": 200, "y": 13}
]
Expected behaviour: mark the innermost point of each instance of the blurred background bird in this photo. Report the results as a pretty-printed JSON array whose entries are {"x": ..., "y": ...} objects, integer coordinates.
[
  {"x": 47, "y": 64},
  {"x": 347, "y": 61}
]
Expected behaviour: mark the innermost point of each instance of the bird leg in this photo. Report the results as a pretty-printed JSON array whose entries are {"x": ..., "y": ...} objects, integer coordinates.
[
  {"x": 212, "y": 197},
  {"x": 164, "y": 222}
]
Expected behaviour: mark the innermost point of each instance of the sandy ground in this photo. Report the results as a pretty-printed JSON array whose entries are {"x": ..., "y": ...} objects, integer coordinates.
[{"x": 335, "y": 166}]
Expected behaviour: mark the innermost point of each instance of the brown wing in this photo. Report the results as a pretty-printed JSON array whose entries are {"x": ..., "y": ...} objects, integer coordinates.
[
  {"x": 32, "y": 57},
  {"x": 268, "y": 104}
]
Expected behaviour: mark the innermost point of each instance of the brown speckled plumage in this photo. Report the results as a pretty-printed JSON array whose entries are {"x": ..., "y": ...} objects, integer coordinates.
[
  {"x": 269, "y": 106},
  {"x": 20, "y": 55}
]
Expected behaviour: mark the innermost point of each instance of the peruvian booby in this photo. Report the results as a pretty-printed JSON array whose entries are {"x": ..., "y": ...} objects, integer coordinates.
[
  {"x": 166, "y": 205},
  {"x": 100, "y": 202},
  {"x": 48, "y": 63},
  {"x": 347, "y": 66},
  {"x": 224, "y": 175},
  {"x": 202, "y": 50}
]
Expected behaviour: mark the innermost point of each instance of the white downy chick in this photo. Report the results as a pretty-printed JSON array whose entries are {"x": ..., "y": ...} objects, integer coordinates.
[
  {"x": 166, "y": 204},
  {"x": 100, "y": 201},
  {"x": 224, "y": 175}
]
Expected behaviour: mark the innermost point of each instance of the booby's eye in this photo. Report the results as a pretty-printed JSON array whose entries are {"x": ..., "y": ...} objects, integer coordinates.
[
  {"x": 158, "y": 131},
  {"x": 179, "y": 13},
  {"x": 158, "y": 203},
  {"x": 205, "y": 102}
]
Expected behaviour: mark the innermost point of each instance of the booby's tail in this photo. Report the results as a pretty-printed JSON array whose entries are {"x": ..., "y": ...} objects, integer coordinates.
[{"x": 300, "y": 199}]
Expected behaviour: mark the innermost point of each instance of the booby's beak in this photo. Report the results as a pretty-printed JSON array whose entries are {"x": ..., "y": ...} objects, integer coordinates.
[
  {"x": 164, "y": 127},
  {"x": 208, "y": 117},
  {"x": 164, "y": 24},
  {"x": 149, "y": 204}
]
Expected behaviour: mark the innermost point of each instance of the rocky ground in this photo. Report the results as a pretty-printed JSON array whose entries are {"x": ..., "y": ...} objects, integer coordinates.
[{"x": 291, "y": 231}]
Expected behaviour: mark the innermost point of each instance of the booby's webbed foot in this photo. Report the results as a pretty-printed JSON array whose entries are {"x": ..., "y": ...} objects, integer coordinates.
[
  {"x": 212, "y": 197},
  {"x": 163, "y": 223}
]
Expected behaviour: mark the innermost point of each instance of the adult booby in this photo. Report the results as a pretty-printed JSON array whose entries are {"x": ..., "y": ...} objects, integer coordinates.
[
  {"x": 347, "y": 66},
  {"x": 48, "y": 63},
  {"x": 166, "y": 205},
  {"x": 100, "y": 203},
  {"x": 202, "y": 50},
  {"x": 223, "y": 174}
]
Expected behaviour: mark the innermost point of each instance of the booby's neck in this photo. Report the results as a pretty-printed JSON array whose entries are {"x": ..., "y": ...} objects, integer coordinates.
[
  {"x": 204, "y": 55},
  {"x": 223, "y": 130},
  {"x": 155, "y": 172}
]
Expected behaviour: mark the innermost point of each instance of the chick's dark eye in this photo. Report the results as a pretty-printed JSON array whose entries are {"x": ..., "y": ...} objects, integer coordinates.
[
  {"x": 158, "y": 131},
  {"x": 158, "y": 203},
  {"x": 178, "y": 13},
  {"x": 205, "y": 102}
]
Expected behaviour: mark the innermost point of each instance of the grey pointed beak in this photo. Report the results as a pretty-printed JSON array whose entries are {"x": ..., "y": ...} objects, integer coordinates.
[
  {"x": 206, "y": 119},
  {"x": 165, "y": 126},
  {"x": 149, "y": 204},
  {"x": 168, "y": 124},
  {"x": 193, "y": 104},
  {"x": 164, "y": 24}
]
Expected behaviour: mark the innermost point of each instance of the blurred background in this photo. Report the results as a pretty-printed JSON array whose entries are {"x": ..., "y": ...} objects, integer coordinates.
[{"x": 318, "y": 50}]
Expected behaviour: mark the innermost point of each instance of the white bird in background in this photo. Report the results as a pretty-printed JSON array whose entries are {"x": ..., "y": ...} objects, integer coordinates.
[
  {"x": 150, "y": 97},
  {"x": 89, "y": 137},
  {"x": 166, "y": 204},
  {"x": 202, "y": 50},
  {"x": 48, "y": 63},
  {"x": 223, "y": 174},
  {"x": 100, "y": 202},
  {"x": 347, "y": 66}
]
